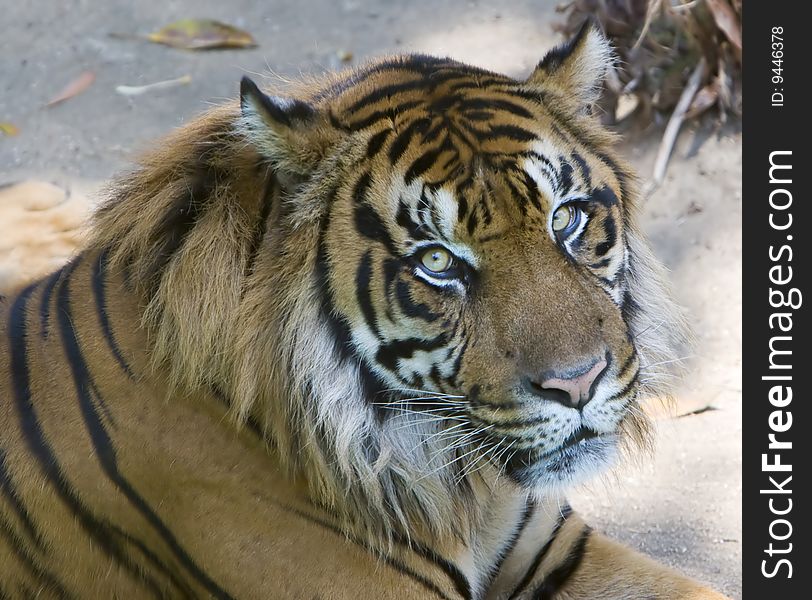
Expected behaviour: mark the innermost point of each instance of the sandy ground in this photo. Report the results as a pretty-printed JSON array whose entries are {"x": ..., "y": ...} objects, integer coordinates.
[{"x": 682, "y": 506}]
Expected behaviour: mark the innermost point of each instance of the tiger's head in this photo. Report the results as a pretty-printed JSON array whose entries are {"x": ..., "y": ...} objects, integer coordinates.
[
  {"x": 446, "y": 281},
  {"x": 476, "y": 258}
]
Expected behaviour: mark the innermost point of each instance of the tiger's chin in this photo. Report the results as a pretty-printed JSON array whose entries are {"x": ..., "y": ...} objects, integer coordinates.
[{"x": 579, "y": 459}]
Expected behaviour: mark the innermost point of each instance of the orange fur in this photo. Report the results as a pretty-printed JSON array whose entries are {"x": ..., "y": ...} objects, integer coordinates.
[{"x": 393, "y": 437}]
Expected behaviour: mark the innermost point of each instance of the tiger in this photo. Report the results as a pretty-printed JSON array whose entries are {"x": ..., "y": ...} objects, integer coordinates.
[{"x": 357, "y": 340}]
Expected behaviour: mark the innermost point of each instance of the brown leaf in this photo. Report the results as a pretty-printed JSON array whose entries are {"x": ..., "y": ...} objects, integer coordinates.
[
  {"x": 74, "y": 88},
  {"x": 8, "y": 129},
  {"x": 726, "y": 19},
  {"x": 202, "y": 34},
  {"x": 704, "y": 99},
  {"x": 344, "y": 55}
]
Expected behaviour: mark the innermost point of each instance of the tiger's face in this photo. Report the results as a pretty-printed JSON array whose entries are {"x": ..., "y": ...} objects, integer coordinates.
[
  {"x": 473, "y": 260},
  {"x": 488, "y": 267}
]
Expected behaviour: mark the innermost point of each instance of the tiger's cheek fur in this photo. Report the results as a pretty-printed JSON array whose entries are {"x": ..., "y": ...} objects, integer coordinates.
[{"x": 401, "y": 331}]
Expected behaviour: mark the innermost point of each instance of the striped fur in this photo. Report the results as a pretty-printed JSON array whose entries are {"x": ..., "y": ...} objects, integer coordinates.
[{"x": 246, "y": 385}]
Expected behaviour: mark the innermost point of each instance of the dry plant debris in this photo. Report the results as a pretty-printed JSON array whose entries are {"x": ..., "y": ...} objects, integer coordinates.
[
  {"x": 74, "y": 88},
  {"x": 197, "y": 34},
  {"x": 678, "y": 59},
  {"x": 659, "y": 44}
]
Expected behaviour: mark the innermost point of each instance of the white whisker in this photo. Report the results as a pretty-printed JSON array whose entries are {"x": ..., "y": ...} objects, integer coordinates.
[{"x": 666, "y": 362}]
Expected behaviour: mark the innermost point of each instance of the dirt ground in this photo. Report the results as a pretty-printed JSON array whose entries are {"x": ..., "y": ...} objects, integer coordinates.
[{"x": 682, "y": 506}]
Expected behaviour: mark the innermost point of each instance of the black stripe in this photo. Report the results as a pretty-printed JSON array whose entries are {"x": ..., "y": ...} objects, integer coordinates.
[
  {"x": 103, "y": 445},
  {"x": 533, "y": 192},
  {"x": 281, "y": 111},
  {"x": 363, "y": 292},
  {"x": 9, "y": 491},
  {"x": 610, "y": 231},
  {"x": 403, "y": 218},
  {"x": 383, "y": 92},
  {"x": 625, "y": 391},
  {"x": 511, "y": 132},
  {"x": 390, "y": 113},
  {"x": 100, "y": 294},
  {"x": 413, "y": 64},
  {"x": 553, "y": 583},
  {"x": 473, "y": 221},
  {"x": 485, "y": 194},
  {"x": 627, "y": 364},
  {"x": 586, "y": 172},
  {"x": 421, "y": 165},
  {"x": 527, "y": 514},
  {"x": 515, "y": 424},
  {"x": 367, "y": 222},
  {"x": 556, "y": 57},
  {"x": 391, "y": 269},
  {"x": 537, "y": 560},
  {"x": 401, "y": 142},
  {"x": 461, "y": 583},
  {"x": 603, "y": 196},
  {"x": 455, "y": 370},
  {"x": 462, "y": 201},
  {"x": 338, "y": 325},
  {"x": 181, "y": 216},
  {"x": 37, "y": 444},
  {"x": 479, "y": 115},
  {"x": 566, "y": 177},
  {"x": 629, "y": 306},
  {"x": 565, "y": 121},
  {"x": 547, "y": 167},
  {"x": 388, "y": 354},
  {"x": 44, "y": 578},
  {"x": 410, "y": 308},
  {"x": 392, "y": 562},
  {"x": 491, "y": 80},
  {"x": 433, "y": 213},
  {"x": 182, "y": 586},
  {"x": 376, "y": 143},
  {"x": 601, "y": 264},
  {"x": 261, "y": 227},
  {"x": 45, "y": 302},
  {"x": 496, "y": 104}
]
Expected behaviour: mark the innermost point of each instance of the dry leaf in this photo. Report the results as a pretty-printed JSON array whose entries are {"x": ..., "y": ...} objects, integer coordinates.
[
  {"x": 704, "y": 99},
  {"x": 74, "y": 88},
  {"x": 626, "y": 105},
  {"x": 200, "y": 34},
  {"x": 728, "y": 22},
  {"x": 137, "y": 90},
  {"x": 8, "y": 129}
]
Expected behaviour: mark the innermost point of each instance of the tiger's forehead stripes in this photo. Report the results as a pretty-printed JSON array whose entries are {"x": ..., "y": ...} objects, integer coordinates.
[{"x": 465, "y": 142}]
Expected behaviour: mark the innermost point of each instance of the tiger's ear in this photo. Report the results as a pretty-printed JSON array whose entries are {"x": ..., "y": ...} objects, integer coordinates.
[
  {"x": 291, "y": 134},
  {"x": 576, "y": 69}
]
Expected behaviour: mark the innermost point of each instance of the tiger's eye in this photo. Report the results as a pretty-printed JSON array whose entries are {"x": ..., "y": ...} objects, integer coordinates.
[
  {"x": 437, "y": 260},
  {"x": 563, "y": 217}
]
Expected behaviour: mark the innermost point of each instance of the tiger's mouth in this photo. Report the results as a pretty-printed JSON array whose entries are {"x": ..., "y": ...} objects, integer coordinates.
[
  {"x": 580, "y": 436},
  {"x": 583, "y": 454}
]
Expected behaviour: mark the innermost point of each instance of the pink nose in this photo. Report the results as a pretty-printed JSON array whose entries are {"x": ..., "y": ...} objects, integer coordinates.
[{"x": 571, "y": 389}]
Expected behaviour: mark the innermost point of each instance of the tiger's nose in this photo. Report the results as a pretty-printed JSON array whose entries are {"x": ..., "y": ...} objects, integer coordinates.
[{"x": 573, "y": 389}]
